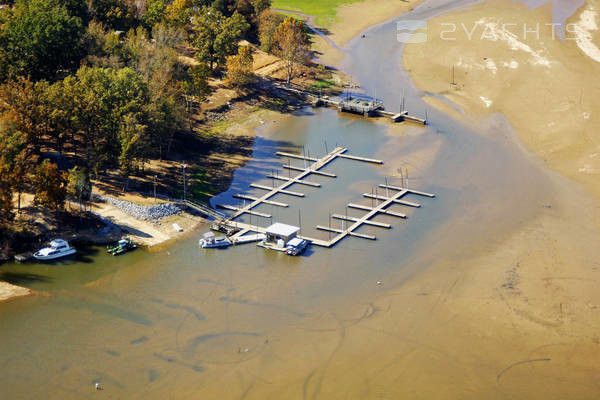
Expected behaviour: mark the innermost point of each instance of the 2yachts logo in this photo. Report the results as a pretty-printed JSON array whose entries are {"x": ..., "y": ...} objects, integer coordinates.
[{"x": 407, "y": 31}]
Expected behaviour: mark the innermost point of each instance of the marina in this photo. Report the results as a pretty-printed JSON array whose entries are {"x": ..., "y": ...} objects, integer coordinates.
[
  {"x": 349, "y": 225},
  {"x": 478, "y": 295}
]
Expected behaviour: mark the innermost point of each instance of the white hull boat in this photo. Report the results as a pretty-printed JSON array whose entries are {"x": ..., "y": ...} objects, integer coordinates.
[
  {"x": 58, "y": 249},
  {"x": 210, "y": 241}
]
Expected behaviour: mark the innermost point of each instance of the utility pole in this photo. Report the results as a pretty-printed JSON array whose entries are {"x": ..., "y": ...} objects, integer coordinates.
[
  {"x": 155, "y": 188},
  {"x": 184, "y": 166}
]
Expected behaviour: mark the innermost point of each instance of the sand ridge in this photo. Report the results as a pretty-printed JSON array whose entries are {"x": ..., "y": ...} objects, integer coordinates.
[{"x": 542, "y": 86}]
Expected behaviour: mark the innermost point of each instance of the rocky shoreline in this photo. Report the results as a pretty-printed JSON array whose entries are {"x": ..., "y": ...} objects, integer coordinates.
[{"x": 158, "y": 211}]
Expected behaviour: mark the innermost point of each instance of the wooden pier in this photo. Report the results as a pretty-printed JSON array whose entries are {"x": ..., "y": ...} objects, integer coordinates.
[
  {"x": 349, "y": 224},
  {"x": 363, "y": 106},
  {"x": 372, "y": 212},
  {"x": 314, "y": 168}
]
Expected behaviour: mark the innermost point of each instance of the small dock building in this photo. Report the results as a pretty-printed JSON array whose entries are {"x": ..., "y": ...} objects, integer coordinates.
[{"x": 278, "y": 235}]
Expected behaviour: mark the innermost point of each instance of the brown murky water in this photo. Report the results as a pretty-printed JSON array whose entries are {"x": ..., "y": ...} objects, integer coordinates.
[{"x": 180, "y": 322}]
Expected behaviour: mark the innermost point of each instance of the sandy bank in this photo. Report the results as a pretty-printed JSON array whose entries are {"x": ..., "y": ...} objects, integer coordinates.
[
  {"x": 9, "y": 292},
  {"x": 352, "y": 19},
  {"x": 148, "y": 232},
  {"x": 541, "y": 85}
]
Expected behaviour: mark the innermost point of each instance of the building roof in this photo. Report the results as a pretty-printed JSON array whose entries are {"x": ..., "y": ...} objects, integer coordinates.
[{"x": 280, "y": 229}]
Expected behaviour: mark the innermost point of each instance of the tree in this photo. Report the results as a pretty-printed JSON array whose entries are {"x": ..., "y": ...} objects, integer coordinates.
[
  {"x": 11, "y": 147},
  {"x": 217, "y": 36},
  {"x": 40, "y": 40},
  {"x": 155, "y": 12},
  {"x": 25, "y": 101},
  {"x": 239, "y": 68},
  {"x": 115, "y": 14},
  {"x": 79, "y": 185},
  {"x": 291, "y": 44},
  {"x": 267, "y": 25},
  {"x": 131, "y": 135},
  {"x": 50, "y": 186},
  {"x": 196, "y": 82},
  {"x": 195, "y": 87},
  {"x": 178, "y": 13},
  {"x": 260, "y": 6}
]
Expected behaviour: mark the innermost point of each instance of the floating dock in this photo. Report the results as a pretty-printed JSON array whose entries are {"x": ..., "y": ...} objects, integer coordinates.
[
  {"x": 350, "y": 224},
  {"x": 380, "y": 208},
  {"x": 358, "y": 105}
]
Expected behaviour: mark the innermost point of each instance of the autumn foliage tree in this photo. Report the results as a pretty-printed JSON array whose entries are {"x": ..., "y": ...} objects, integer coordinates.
[
  {"x": 50, "y": 186},
  {"x": 291, "y": 44},
  {"x": 239, "y": 69},
  {"x": 11, "y": 147}
]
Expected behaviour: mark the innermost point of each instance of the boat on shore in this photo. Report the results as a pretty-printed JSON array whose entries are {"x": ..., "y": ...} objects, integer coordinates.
[
  {"x": 210, "y": 241},
  {"x": 58, "y": 248},
  {"x": 122, "y": 246}
]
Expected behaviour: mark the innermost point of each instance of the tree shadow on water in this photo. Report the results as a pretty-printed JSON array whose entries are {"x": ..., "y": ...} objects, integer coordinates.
[{"x": 22, "y": 278}]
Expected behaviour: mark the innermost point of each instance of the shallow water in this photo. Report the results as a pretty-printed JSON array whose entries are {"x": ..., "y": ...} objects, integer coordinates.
[{"x": 178, "y": 320}]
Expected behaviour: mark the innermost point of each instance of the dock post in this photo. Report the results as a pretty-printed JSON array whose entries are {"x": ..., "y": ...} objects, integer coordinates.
[{"x": 387, "y": 192}]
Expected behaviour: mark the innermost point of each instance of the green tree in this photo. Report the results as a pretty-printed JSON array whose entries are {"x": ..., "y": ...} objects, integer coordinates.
[
  {"x": 101, "y": 98},
  {"x": 195, "y": 88},
  {"x": 120, "y": 15},
  {"x": 178, "y": 13},
  {"x": 240, "y": 73},
  {"x": 79, "y": 185},
  {"x": 291, "y": 44},
  {"x": 40, "y": 40},
  {"x": 50, "y": 186},
  {"x": 131, "y": 137},
  {"x": 260, "y": 6},
  {"x": 217, "y": 36},
  {"x": 155, "y": 12},
  {"x": 196, "y": 82},
  {"x": 267, "y": 25}
]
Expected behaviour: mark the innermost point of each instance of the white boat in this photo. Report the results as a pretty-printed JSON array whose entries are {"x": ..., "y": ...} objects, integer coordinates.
[
  {"x": 58, "y": 248},
  {"x": 249, "y": 238},
  {"x": 209, "y": 240}
]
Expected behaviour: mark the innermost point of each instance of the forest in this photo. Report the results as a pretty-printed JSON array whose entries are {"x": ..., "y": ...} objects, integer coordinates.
[{"x": 101, "y": 82}]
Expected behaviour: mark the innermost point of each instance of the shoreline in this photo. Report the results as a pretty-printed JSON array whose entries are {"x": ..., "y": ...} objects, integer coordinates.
[
  {"x": 10, "y": 292},
  {"x": 352, "y": 20}
]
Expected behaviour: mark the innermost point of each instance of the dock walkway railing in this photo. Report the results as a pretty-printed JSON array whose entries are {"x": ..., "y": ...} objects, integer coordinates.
[{"x": 202, "y": 209}]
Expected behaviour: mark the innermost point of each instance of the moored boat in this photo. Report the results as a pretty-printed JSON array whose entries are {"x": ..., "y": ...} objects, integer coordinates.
[
  {"x": 122, "y": 246},
  {"x": 209, "y": 240},
  {"x": 58, "y": 248},
  {"x": 296, "y": 246}
]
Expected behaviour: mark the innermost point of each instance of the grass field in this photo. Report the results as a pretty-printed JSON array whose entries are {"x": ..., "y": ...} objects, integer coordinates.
[{"x": 323, "y": 10}]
